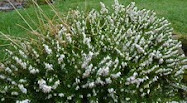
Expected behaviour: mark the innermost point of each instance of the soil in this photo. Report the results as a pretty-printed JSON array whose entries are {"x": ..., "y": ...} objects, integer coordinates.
[
  {"x": 184, "y": 44},
  {"x": 5, "y": 5}
]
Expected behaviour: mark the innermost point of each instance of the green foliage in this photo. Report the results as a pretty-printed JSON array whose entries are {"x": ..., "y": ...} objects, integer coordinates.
[{"x": 121, "y": 55}]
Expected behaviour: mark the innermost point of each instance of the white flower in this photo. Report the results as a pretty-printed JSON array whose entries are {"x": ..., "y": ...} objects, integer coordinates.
[
  {"x": 103, "y": 8},
  {"x": 89, "y": 95},
  {"x": 87, "y": 59},
  {"x": 127, "y": 99},
  {"x": 69, "y": 97},
  {"x": 108, "y": 80},
  {"x": 91, "y": 85},
  {"x": 20, "y": 62},
  {"x": 13, "y": 83},
  {"x": 8, "y": 70},
  {"x": 99, "y": 81},
  {"x": 33, "y": 70},
  {"x": 111, "y": 90},
  {"x": 105, "y": 59},
  {"x": 87, "y": 71},
  {"x": 23, "y": 90},
  {"x": 14, "y": 93},
  {"x": 116, "y": 6},
  {"x": 23, "y": 101},
  {"x": 68, "y": 37},
  {"x": 22, "y": 54},
  {"x": 61, "y": 94},
  {"x": 77, "y": 80},
  {"x": 47, "y": 49},
  {"x": 62, "y": 30},
  {"x": 22, "y": 81},
  {"x": 77, "y": 88},
  {"x": 2, "y": 77},
  {"x": 56, "y": 84},
  {"x": 161, "y": 61},
  {"x": 61, "y": 58},
  {"x": 41, "y": 82},
  {"x": 103, "y": 71},
  {"x": 139, "y": 48},
  {"x": 80, "y": 96},
  {"x": 35, "y": 53},
  {"x": 2, "y": 99},
  {"x": 46, "y": 89},
  {"x": 48, "y": 66},
  {"x": 42, "y": 85},
  {"x": 49, "y": 96},
  {"x": 116, "y": 75}
]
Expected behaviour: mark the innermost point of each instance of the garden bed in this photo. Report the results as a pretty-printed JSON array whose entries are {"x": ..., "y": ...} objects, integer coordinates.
[{"x": 6, "y": 6}]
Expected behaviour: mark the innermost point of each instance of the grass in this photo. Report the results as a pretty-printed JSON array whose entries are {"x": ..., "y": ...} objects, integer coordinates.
[{"x": 173, "y": 10}]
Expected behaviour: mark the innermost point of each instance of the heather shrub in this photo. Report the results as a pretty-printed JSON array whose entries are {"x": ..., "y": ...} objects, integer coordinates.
[{"x": 121, "y": 55}]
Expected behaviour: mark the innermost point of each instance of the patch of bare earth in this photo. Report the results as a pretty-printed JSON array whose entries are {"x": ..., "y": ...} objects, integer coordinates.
[{"x": 8, "y": 5}]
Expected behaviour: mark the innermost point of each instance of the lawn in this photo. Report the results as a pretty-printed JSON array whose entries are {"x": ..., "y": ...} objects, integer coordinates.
[{"x": 174, "y": 10}]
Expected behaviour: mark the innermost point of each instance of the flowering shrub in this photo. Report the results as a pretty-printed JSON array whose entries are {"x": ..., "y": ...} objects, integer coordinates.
[{"x": 118, "y": 55}]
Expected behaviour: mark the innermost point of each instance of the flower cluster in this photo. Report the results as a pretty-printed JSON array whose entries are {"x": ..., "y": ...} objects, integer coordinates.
[{"x": 119, "y": 55}]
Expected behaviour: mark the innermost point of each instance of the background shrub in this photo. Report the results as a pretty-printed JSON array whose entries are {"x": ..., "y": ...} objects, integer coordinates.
[
  {"x": 123, "y": 54},
  {"x": 40, "y": 2}
]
